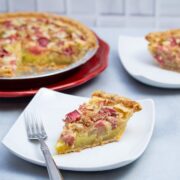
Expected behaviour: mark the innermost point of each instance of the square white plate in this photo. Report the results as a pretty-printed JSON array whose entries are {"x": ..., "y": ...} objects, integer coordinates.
[
  {"x": 52, "y": 106},
  {"x": 139, "y": 63}
]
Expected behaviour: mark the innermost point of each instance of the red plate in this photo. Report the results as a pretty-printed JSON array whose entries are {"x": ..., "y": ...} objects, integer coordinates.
[{"x": 74, "y": 78}]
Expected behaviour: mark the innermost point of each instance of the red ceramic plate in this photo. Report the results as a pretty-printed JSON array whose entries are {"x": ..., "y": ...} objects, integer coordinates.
[{"x": 74, "y": 78}]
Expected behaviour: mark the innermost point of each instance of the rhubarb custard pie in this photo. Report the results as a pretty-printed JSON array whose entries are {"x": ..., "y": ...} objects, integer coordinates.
[
  {"x": 101, "y": 120},
  {"x": 40, "y": 41},
  {"x": 165, "y": 48}
]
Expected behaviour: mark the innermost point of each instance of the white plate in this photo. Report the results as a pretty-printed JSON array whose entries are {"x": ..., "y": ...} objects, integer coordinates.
[
  {"x": 139, "y": 63},
  {"x": 52, "y": 106}
]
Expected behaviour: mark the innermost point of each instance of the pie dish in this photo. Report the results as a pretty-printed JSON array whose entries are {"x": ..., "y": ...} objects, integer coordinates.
[
  {"x": 38, "y": 42},
  {"x": 165, "y": 48},
  {"x": 101, "y": 120},
  {"x": 84, "y": 73}
]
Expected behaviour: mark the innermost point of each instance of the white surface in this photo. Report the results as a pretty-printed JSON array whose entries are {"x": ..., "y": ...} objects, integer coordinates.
[
  {"x": 143, "y": 7},
  {"x": 21, "y": 5},
  {"x": 139, "y": 63},
  {"x": 55, "y": 6},
  {"x": 147, "y": 13},
  {"x": 160, "y": 161},
  {"x": 170, "y": 8},
  {"x": 52, "y": 107}
]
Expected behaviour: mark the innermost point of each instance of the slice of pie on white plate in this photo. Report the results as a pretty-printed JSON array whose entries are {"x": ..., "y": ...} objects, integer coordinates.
[{"x": 103, "y": 119}]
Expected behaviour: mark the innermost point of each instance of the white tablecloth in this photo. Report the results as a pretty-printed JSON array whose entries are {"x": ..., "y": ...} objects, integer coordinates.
[{"x": 161, "y": 160}]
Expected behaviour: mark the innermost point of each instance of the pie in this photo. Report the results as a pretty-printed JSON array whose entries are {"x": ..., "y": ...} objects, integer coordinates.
[
  {"x": 165, "y": 48},
  {"x": 101, "y": 120},
  {"x": 41, "y": 41}
]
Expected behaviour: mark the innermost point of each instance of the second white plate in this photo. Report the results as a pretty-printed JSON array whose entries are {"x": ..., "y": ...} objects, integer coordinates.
[
  {"x": 139, "y": 63},
  {"x": 52, "y": 106}
]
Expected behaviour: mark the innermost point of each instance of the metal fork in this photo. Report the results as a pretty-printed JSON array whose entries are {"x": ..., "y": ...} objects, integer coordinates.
[{"x": 35, "y": 131}]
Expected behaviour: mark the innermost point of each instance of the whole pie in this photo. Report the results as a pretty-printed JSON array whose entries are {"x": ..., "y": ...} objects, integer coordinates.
[
  {"x": 165, "y": 48},
  {"x": 41, "y": 41},
  {"x": 101, "y": 120}
]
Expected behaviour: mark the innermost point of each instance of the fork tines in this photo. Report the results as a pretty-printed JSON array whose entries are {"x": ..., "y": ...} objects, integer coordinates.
[{"x": 34, "y": 125}]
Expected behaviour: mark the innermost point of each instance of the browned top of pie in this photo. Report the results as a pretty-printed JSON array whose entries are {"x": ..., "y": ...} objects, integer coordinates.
[
  {"x": 42, "y": 39},
  {"x": 104, "y": 115},
  {"x": 102, "y": 107}
]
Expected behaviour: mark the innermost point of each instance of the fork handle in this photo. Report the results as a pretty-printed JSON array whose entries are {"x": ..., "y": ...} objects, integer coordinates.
[{"x": 53, "y": 171}]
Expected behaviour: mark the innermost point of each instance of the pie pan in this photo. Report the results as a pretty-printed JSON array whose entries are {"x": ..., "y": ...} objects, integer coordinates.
[
  {"x": 41, "y": 44},
  {"x": 37, "y": 80},
  {"x": 59, "y": 82}
]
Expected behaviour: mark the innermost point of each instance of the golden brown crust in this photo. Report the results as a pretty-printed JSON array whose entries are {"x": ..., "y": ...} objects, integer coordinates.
[
  {"x": 8, "y": 72},
  {"x": 157, "y": 36},
  {"x": 119, "y": 99},
  {"x": 91, "y": 38}
]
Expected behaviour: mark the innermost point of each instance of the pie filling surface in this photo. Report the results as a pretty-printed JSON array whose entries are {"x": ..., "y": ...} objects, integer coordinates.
[
  {"x": 38, "y": 41},
  {"x": 165, "y": 48},
  {"x": 101, "y": 120}
]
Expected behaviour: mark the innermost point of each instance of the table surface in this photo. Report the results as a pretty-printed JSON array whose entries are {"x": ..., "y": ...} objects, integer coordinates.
[{"x": 161, "y": 160}]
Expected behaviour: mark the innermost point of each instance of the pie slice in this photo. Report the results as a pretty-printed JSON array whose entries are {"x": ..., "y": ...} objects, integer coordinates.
[
  {"x": 165, "y": 48},
  {"x": 101, "y": 120}
]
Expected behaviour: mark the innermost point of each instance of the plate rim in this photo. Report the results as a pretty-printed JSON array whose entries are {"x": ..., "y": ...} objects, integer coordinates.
[
  {"x": 100, "y": 168},
  {"x": 140, "y": 77}
]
